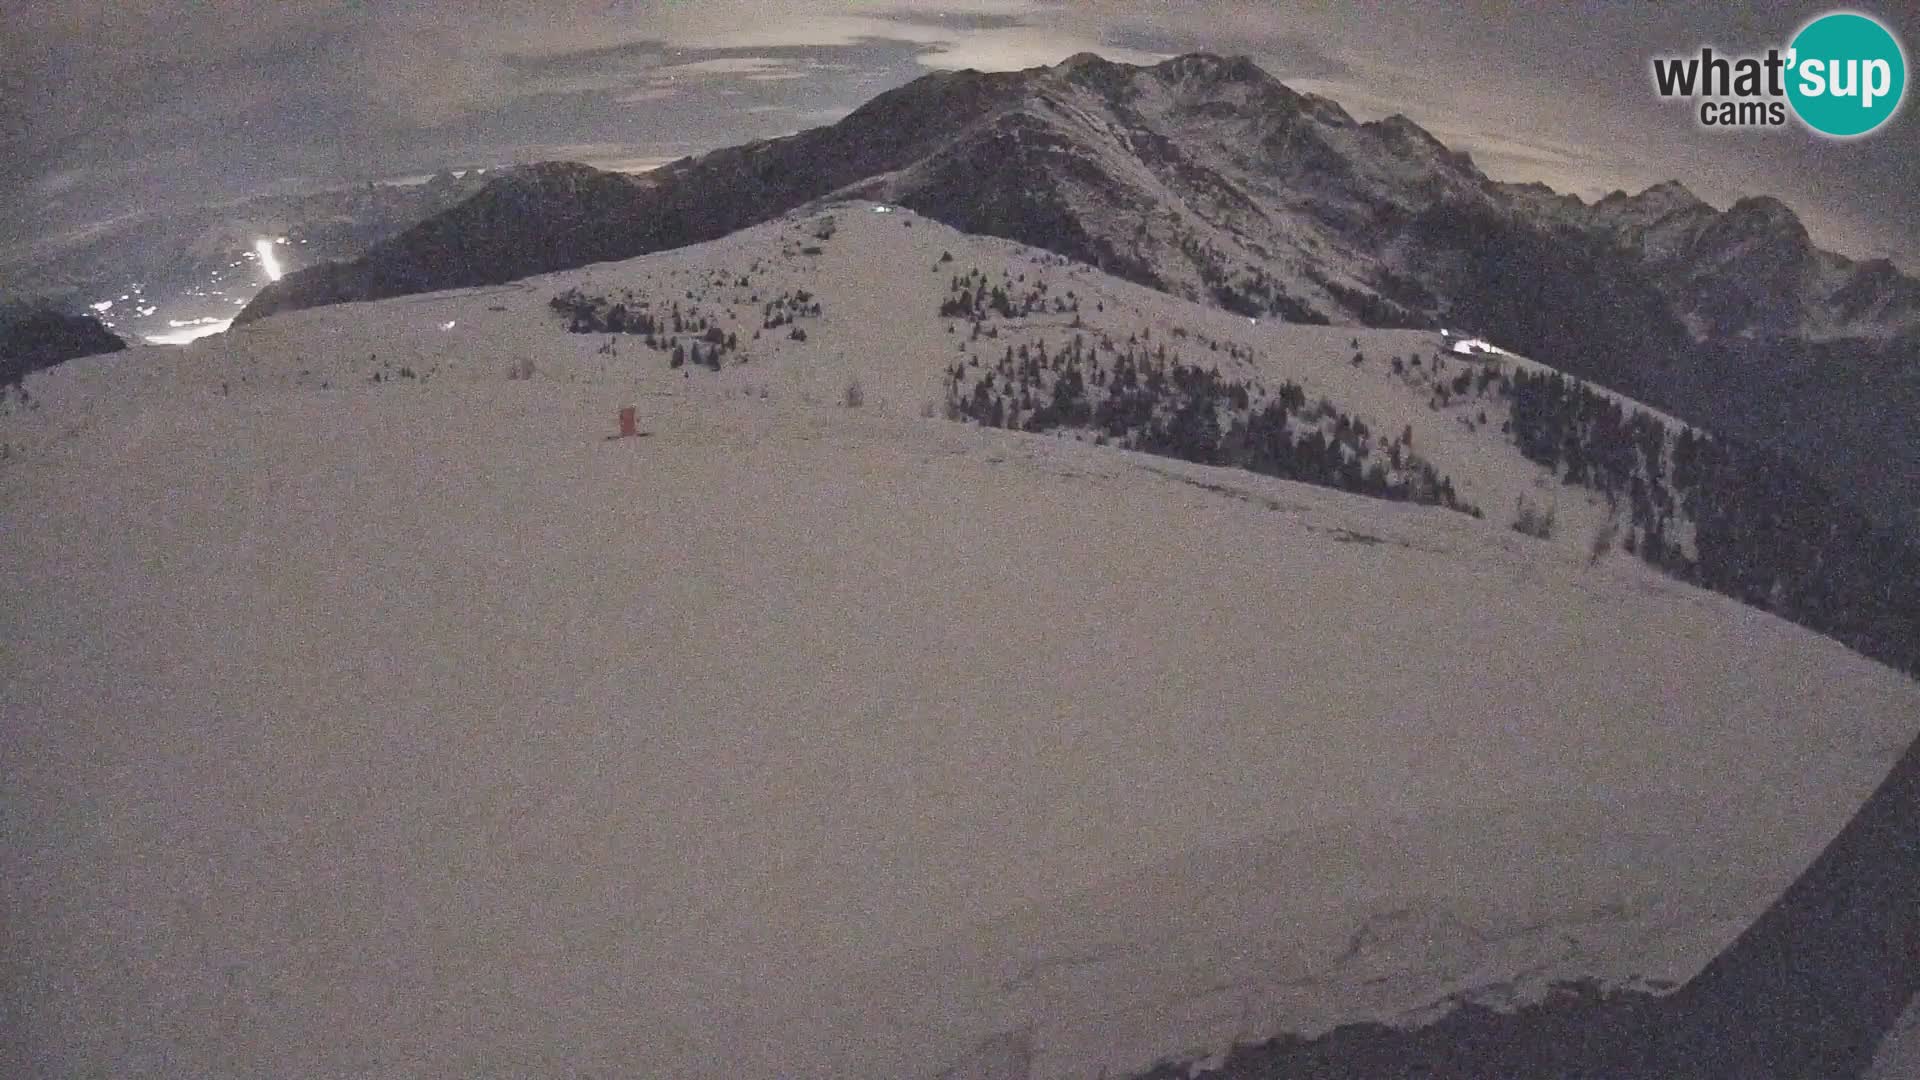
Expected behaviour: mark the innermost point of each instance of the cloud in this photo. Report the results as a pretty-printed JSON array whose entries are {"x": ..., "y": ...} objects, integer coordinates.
[
  {"x": 1013, "y": 50},
  {"x": 1295, "y": 55},
  {"x": 647, "y": 94},
  {"x": 750, "y": 66},
  {"x": 952, "y": 21},
  {"x": 596, "y": 60},
  {"x": 1287, "y": 54},
  {"x": 821, "y": 117},
  {"x": 107, "y": 104}
]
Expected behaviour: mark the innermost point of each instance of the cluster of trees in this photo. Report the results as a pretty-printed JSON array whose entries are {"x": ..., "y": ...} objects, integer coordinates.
[
  {"x": 1253, "y": 293},
  {"x": 1770, "y": 534},
  {"x": 699, "y": 352},
  {"x": 1399, "y": 303},
  {"x": 686, "y": 336},
  {"x": 970, "y": 296},
  {"x": 1374, "y": 310},
  {"x": 1591, "y": 440},
  {"x": 635, "y": 316},
  {"x": 1765, "y": 531},
  {"x": 1143, "y": 399},
  {"x": 1471, "y": 383},
  {"x": 788, "y": 307}
]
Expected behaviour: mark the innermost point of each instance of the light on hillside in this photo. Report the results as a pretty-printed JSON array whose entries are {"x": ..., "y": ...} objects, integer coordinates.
[{"x": 264, "y": 249}]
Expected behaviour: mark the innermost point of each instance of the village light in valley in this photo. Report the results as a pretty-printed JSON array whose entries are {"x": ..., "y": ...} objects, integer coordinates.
[{"x": 264, "y": 249}]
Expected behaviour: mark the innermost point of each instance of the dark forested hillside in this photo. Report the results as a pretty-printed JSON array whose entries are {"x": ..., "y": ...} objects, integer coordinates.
[
  {"x": 1764, "y": 530},
  {"x": 33, "y": 337}
]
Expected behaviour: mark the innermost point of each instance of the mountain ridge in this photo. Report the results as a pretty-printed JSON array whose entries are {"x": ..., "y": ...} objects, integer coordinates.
[
  {"x": 1207, "y": 178},
  {"x": 1306, "y": 141},
  {"x": 34, "y": 337}
]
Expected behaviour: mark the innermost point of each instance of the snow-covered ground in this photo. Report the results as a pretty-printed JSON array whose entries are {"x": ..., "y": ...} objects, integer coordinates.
[
  {"x": 880, "y": 281},
  {"x": 416, "y": 728}
]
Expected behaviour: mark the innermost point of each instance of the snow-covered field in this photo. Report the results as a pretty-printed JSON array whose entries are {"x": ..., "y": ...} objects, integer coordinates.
[{"x": 416, "y": 728}]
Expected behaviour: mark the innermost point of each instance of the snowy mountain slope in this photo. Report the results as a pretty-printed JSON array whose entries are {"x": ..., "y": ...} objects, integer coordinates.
[
  {"x": 856, "y": 296},
  {"x": 1206, "y": 178},
  {"x": 879, "y": 278},
  {"x": 411, "y": 726}
]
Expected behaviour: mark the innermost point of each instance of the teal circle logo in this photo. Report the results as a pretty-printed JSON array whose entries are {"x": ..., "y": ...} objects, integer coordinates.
[{"x": 1847, "y": 74}]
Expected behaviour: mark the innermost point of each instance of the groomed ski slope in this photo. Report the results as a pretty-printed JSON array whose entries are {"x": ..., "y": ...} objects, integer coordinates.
[{"x": 418, "y": 729}]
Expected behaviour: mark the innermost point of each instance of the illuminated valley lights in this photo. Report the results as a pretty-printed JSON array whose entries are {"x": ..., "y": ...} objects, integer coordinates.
[{"x": 264, "y": 249}]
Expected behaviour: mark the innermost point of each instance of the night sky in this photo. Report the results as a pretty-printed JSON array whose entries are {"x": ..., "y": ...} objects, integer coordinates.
[{"x": 110, "y": 107}]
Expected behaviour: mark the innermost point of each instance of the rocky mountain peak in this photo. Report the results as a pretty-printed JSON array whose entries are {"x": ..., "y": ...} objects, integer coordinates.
[
  {"x": 1204, "y": 67},
  {"x": 1237, "y": 83},
  {"x": 1668, "y": 198},
  {"x": 548, "y": 179},
  {"x": 1409, "y": 140},
  {"x": 1095, "y": 72},
  {"x": 1670, "y": 193},
  {"x": 1764, "y": 215},
  {"x": 1083, "y": 60},
  {"x": 1660, "y": 201},
  {"x": 1398, "y": 126}
]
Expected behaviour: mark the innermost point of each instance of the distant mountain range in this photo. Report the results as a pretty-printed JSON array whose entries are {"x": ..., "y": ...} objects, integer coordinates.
[
  {"x": 157, "y": 248},
  {"x": 1207, "y": 178},
  {"x": 154, "y": 272}
]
